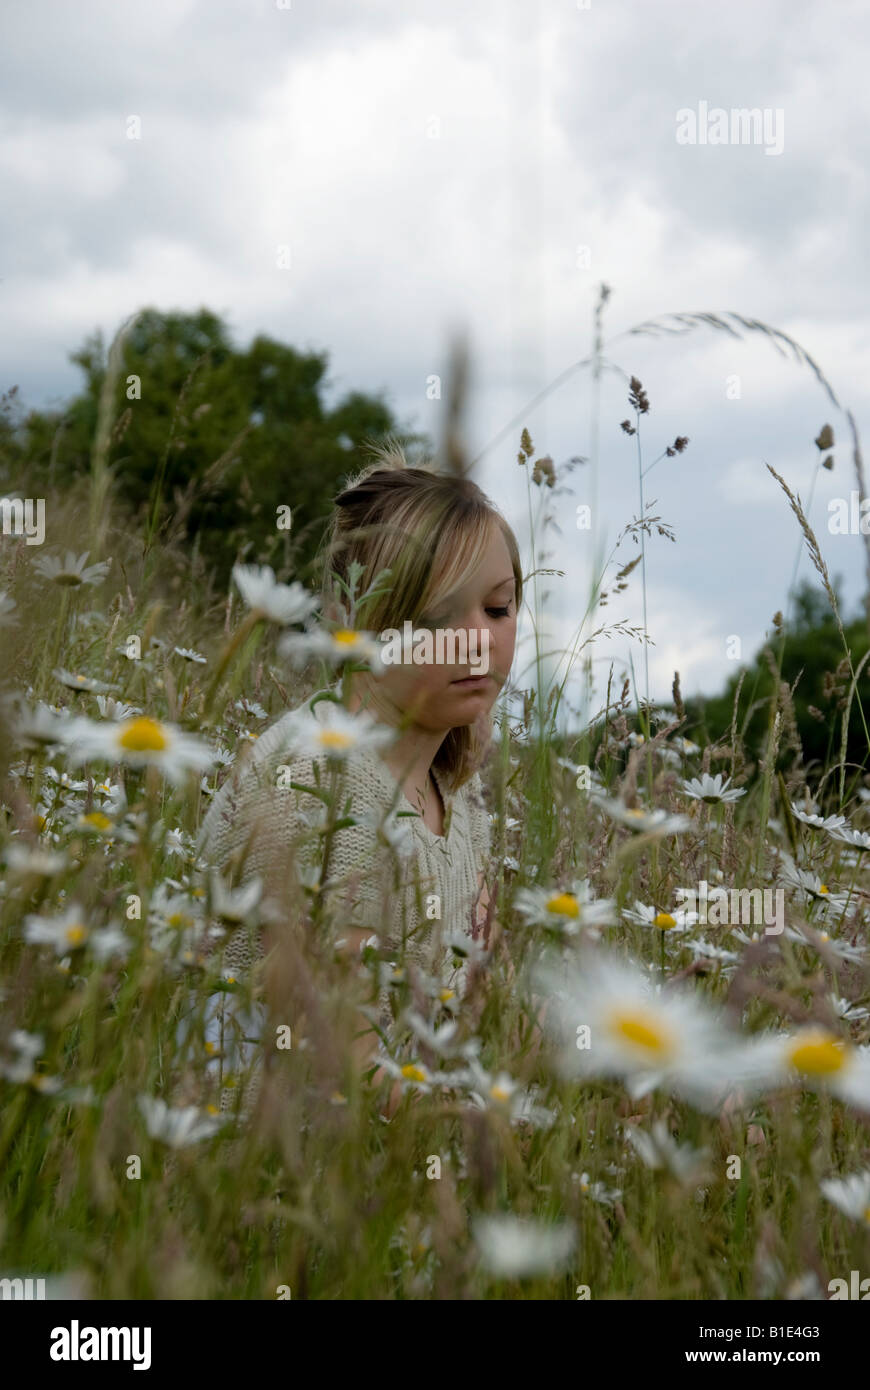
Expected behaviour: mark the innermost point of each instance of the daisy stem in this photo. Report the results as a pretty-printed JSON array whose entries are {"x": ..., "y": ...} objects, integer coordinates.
[
  {"x": 53, "y": 653},
  {"x": 642, "y": 560},
  {"x": 239, "y": 636},
  {"x": 329, "y": 837}
]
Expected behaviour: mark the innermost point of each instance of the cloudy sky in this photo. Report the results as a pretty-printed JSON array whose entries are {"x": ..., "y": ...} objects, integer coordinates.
[{"x": 434, "y": 166}]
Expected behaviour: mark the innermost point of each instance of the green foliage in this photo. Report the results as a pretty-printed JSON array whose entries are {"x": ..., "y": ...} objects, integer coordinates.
[
  {"x": 815, "y": 667},
  {"x": 212, "y": 440}
]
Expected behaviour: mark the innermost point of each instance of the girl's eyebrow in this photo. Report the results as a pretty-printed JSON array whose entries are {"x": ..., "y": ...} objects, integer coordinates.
[{"x": 511, "y": 579}]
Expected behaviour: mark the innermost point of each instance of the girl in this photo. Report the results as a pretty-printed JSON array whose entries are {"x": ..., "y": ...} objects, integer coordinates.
[{"x": 406, "y": 859}]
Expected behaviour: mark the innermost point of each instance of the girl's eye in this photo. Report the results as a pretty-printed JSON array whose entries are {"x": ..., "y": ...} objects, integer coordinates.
[{"x": 498, "y": 612}]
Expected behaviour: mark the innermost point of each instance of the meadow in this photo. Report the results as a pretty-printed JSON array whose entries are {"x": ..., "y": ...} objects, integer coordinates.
[{"x": 629, "y": 1103}]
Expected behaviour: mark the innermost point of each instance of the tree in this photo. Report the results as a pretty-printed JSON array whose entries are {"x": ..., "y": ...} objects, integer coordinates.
[
  {"x": 213, "y": 439},
  {"x": 814, "y": 663}
]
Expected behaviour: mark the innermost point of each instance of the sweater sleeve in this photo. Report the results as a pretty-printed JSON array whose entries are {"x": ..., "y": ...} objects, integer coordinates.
[{"x": 258, "y": 824}]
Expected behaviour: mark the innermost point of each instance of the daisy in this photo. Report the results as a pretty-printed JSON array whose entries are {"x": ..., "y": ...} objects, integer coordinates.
[
  {"x": 190, "y": 655},
  {"x": 336, "y": 733},
  {"x": 66, "y": 933},
  {"x": 654, "y": 822},
  {"x": 829, "y": 823},
  {"x": 27, "y": 1046},
  {"x": 440, "y": 1040},
  {"x": 637, "y": 1032},
  {"x": 605, "y": 1196},
  {"x": 679, "y": 920},
  {"x": 178, "y": 1127},
  {"x": 711, "y": 789},
  {"x": 235, "y": 905},
  {"x": 500, "y": 1092},
  {"x": 71, "y": 572},
  {"x": 567, "y": 910},
  {"x": 177, "y": 842},
  {"x": 79, "y": 682},
  {"x": 806, "y": 935},
  {"x": 511, "y": 1248},
  {"x": 857, "y": 839},
  {"x": 247, "y": 706},
  {"x": 69, "y": 932},
  {"x": 337, "y": 646},
  {"x": 812, "y": 885},
  {"x": 813, "y": 1058},
  {"x": 460, "y": 945},
  {"x": 853, "y": 1013},
  {"x": 684, "y": 746},
  {"x": 279, "y": 603},
  {"x": 25, "y": 859},
  {"x": 178, "y": 921},
  {"x": 44, "y": 726},
  {"x": 63, "y": 780},
  {"x": 413, "y": 1075},
  {"x": 140, "y": 742},
  {"x": 659, "y": 1151},
  {"x": 110, "y": 708},
  {"x": 702, "y": 950},
  {"x": 850, "y": 1195}
]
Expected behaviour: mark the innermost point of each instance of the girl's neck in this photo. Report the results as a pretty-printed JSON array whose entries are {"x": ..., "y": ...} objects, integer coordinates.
[{"x": 411, "y": 755}]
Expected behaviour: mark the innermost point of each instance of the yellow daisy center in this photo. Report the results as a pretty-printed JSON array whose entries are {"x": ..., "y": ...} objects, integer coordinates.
[
  {"x": 98, "y": 820},
  {"x": 867, "y": 1215},
  {"x": 823, "y": 888},
  {"x": 664, "y": 921},
  {"x": 344, "y": 637},
  {"x": 143, "y": 736},
  {"x": 446, "y": 994},
  {"x": 823, "y": 936},
  {"x": 564, "y": 904},
  {"x": 180, "y": 920},
  {"x": 334, "y": 738},
  {"x": 499, "y": 1093},
  {"x": 76, "y": 934},
  {"x": 642, "y": 1030},
  {"x": 412, "y": 1073},
  {"x": 817, "y": 1054}
]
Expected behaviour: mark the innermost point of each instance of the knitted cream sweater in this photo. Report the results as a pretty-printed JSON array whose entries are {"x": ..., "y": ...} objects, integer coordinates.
[{"x": 388, "y": 872}]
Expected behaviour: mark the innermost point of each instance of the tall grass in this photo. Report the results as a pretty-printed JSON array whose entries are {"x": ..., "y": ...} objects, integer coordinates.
[{"x": 311, "y": 1190}]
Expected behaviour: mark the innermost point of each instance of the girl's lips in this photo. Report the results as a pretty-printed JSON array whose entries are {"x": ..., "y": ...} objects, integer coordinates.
[{"x": 471, "y": 680}]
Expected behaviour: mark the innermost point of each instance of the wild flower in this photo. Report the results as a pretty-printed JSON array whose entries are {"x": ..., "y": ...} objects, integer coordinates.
[
  {"x": 178, "y": 1127},
  {"x": 656, "y": 823},
  {"x": 636, "y": 1031},
  {"x": 711, "y": 789},
  {"x": 850, "y": 1195},
  {"x": 142, "y": 742},
  {"x": 567, "y": 910},
  {"x": 71, "y": 572},
  {"x": 513, "y": 1248},
  {"x": 267, "y": 598}
]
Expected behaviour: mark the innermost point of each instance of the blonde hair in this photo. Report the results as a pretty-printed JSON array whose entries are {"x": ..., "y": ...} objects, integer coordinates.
[{"x": 430, "y": 530}]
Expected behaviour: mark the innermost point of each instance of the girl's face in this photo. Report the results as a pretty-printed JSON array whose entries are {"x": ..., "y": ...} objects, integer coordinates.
[{"x": 436, "y": 695}]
